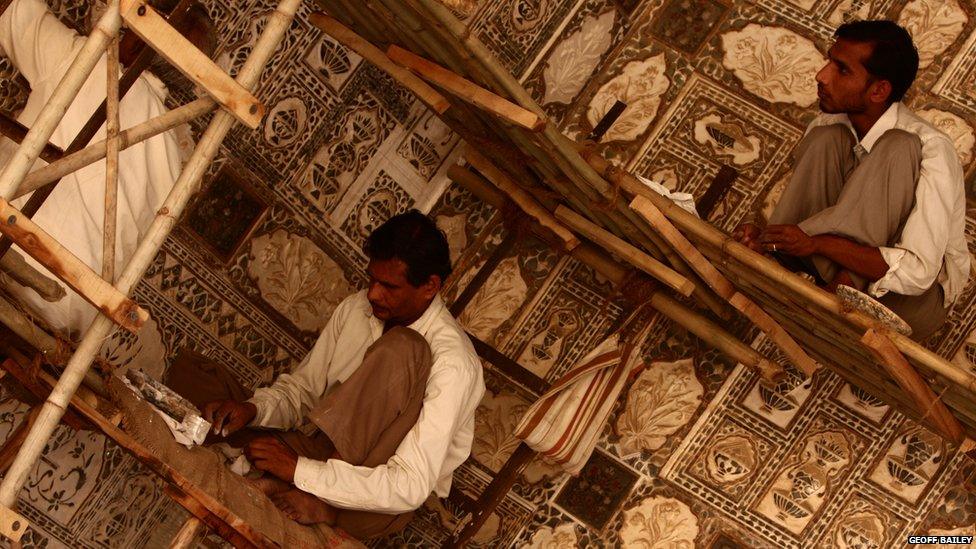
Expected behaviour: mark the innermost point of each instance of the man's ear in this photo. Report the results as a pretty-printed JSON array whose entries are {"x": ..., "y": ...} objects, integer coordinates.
[
  {"x": 880, "y": 91},
  {"x": 432, "y": 286}
]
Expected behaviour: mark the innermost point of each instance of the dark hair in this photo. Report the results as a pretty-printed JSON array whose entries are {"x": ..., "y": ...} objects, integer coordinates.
[
  {"x": 415, "y": 239},
  {"x": 893, "y": 55}
]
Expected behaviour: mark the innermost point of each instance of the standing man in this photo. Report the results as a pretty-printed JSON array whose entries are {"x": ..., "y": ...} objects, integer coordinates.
[
  {"x": 42, "y": 49},
  {"x": 877, "y": 199},
  {"x": 392, "y": 385}
]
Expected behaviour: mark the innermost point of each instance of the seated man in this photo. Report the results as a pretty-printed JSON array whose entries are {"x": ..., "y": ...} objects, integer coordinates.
[
  {"x": 392, "y": 385},
  {"x": 876, "y": 200},
  {"x": 42, "y": 49}
]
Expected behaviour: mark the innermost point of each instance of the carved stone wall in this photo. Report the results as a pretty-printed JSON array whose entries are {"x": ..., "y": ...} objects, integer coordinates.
[{"x": 696, "y": 453}]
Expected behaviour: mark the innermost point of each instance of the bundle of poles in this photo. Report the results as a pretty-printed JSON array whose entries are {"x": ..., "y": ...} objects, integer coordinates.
[{"x": 610, "y": 220}]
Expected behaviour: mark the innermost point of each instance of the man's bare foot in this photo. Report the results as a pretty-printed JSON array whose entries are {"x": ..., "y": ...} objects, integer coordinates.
[
  {"x": 270, "y": 485},
  {"x": 304, "y": 508}
]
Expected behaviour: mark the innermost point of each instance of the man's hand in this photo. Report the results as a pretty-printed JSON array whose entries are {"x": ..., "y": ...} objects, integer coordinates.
[
  {"x": 270, "y": 455},
  {"x": 788, "y": 239},
  {"x": 748, "y": 235},
  {"x": 228, "y": 416}
]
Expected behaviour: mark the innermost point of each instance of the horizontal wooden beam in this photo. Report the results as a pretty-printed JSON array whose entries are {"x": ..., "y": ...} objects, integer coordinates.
[
  {"x": 70, "y": 270},
  {"x": 345, "y": 36},
  {"x": 182, "y": 54},
  {"x": 466, "y": 90}
]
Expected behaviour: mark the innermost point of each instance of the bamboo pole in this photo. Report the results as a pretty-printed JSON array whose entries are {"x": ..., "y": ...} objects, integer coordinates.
[
  {"x": 192, "y": 531},
  {"x": 466, "y": 90},
  {"x": 27, "y": 330},
  {"x": 625, "y": 251},
  {"x": 110, "y": 219},
  {"x": 811, "y": 295},
  {"x": 528, "y": 204},
  {"x": 342, "y": 34},
  {"x": 127, "y": 138},
  {"x": 52, "y": 112},
  {"x": 186, "y": 184},
  {"x": 925, "y": 400},
  {"x": 15, "y": 267},
  {"x": 706, "y": 330}
]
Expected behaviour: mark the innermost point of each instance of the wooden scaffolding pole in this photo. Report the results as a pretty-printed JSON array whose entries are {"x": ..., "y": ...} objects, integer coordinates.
[{"x": 188, "y": 182}]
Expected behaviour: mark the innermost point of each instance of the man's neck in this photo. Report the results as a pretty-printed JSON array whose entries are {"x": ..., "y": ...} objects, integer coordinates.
[
  {"x": 392, "y": 323},
  {"x": 865, "y": 120}
]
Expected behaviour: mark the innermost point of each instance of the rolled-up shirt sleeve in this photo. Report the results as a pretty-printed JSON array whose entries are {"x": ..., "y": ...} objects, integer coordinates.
[
  {"x": 283, "y": 405},
  {"x": 35, "y": 41},
  {"x": 914, "y": 262},
  {"x": 405, "y": 481}
]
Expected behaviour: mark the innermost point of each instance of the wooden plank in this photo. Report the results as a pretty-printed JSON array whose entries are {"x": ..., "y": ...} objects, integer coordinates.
[
  {"x": 202, "y": 514},
  {"x": 192, "y": 531},
  {"x": 345, "y": 36},
  {"x": 524, "y": 200},
  {"x": 12, "y": 525},
  {"x": 466, "y": 90},
  {"x": 182, "y": 54},
  {"x": 629, "y": 253},
  {"x": 70, "y": 270},
  {"x": 926, "y": 402},
  {"x": 722, "y": 286}
]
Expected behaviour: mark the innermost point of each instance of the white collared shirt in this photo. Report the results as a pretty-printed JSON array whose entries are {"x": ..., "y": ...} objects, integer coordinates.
[
  {"x": 932, "y": 247},
  {"x": 42, "y": 49},
  {"x": 438, "y": 443}
]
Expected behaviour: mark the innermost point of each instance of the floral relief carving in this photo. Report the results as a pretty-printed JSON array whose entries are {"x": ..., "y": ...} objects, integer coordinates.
[
  {"x": 575, "y": 58},
  {"x": 560, "y": 537},
  {"x": 495, "y": 421},
  {"x": 501, "y": 296},
  {"x": 659, "y": 522},
  {"x": 286, "y": 122},
  {"x": 546, "y": 346},
  {"x": 773, "y": 63},
  {"x": 453, "y": 227},
  {"x": 961, "y": 133},
  {"x": 660, "y": 402},
  {"x": 297, "y": 278},
  {"x": 911, "y": 463},
  {"x": 731, "y": 459},
  {"x": 934, "y": 26},
  {"x": 640, "y": 85}
]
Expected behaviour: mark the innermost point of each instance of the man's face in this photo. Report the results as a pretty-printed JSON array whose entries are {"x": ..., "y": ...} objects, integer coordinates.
[
  {"x": 844, "y": 84},
  {"x": 394, "y": 300}
]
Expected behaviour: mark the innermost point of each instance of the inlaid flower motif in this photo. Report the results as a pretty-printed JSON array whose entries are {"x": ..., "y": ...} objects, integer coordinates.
[
  {"x": 773, "y": 63},
  {"x": 640, "y": 86},
  {"x": 453, "y": 227},
  {"x": 961, "y": 133},
  {"x": 934, "y": 26},
  {"x": 727, "y": 138},
  {"x": 297, "y": 278},
  {"x": 574, "y": 59},
  {"x": 661, "y": 401},
  {"x": 659, "y": 522},
  {"x": 495, "y": 302},
  {"x": 560, "y": 537}
]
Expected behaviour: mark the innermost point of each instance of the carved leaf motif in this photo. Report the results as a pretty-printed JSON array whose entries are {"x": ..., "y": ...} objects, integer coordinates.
[
  {"x": 773, "y": 63},
  {"x": 934, "y": 26},
  {"x": 640, "y": 85},
  {"x": 659, "y": 522},
  {"x": 501, "y": 296},
  {"x": 297, "y": 278},
  {"x": 661, "y": 401},
  {"x": 495, "y": 422},
  {"x": 574, "y": 59},
  {"x": 560, "y": 537}
]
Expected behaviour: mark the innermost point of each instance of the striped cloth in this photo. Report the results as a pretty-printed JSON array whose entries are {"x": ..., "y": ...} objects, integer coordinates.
[{"x": 565, "y": 423}]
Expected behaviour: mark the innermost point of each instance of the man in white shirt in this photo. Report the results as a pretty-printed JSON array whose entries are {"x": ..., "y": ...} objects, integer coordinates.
[
  {"x": 392, "y": 385},
  {"x": 877, "y": 198},
  {"x": 42, "y": 49}
]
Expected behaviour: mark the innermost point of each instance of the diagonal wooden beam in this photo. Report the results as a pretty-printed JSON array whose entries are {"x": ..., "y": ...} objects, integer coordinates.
[
  {"x": 182, "y": 54},
  {"x": 16, "y": 132},
  {"x": 930, "y": 407},
  {"x": 71, "y": 270},
  {"x": 722, "y": 286},
  {"x": 466, "y": 90},
  {"x": 345, "y": 36}
]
